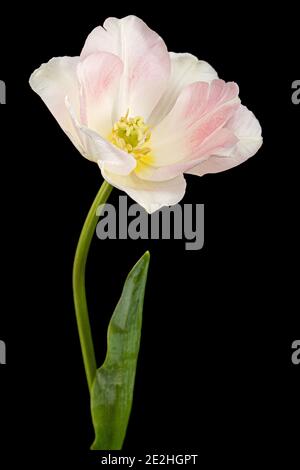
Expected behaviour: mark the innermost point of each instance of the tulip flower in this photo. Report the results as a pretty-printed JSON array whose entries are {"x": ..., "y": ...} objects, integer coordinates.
[{"x": 146, "y": 117}]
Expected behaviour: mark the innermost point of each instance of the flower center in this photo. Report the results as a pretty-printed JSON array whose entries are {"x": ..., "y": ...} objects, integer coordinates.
[{"x": 133, "y": 136}]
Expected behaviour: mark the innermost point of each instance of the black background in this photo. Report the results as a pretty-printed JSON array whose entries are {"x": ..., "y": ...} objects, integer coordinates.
[{"x": 215, "y": 375}]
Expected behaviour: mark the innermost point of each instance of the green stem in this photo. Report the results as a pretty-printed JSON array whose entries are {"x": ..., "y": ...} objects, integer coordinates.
[{"x": 80, "y": 303}]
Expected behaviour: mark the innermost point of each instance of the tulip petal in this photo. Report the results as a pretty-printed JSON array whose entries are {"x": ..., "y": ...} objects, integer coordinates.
[
  {"x": 185, "y": 69},
  {"x": 151, "y": 195},
  {"x": 200, "y": 110},
  {"x": 145, "y": 58},
  {"x": 99, "y": 76},
  {"x": 193, "y": 130},
  {"x": 220, "y": 139},
  {"x": 100, "y": 150},
  {"x": 53, "y": 81},
  {"x": 107, "y": 155},
  {"x": 248, "y": 132}
]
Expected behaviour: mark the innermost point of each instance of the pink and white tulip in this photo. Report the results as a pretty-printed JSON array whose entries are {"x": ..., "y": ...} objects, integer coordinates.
[{"x": 145, "y": 115}]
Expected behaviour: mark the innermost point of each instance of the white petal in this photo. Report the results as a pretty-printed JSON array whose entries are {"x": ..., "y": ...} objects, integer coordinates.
[
  {"x": 149, "y": 194},
  {"x": 101, "y": 151},
  {"x": 145, "y": 58},
  {"x": 185, "y": 69},
  {"x": 248, "y": 131},
  {"x": 108, "y": 156},
  {"x": 54, "y": 81}
]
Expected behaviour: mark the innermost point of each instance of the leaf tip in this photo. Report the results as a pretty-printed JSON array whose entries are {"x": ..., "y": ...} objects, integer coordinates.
[{"x": 145, "y": 259}]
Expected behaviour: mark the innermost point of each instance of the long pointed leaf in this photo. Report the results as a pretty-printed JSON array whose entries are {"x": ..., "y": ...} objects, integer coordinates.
[{"x": 112, "y": 391}]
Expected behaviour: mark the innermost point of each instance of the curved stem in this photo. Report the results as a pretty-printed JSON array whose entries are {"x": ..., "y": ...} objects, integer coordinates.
[{"x": 80, "y": 303}]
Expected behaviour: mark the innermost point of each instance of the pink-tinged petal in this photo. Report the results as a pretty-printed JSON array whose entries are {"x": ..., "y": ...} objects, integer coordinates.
[
  {"x": 221, "y": 139},
  {"x": 54, "y": 81},
  {"x": 185, "y": 69},
  {"x": 193, "y": 127},
  {"x": 149, "y": 194},
  {"x": 145, "y": 58},
  {"x": 99, "y": 76},
  {"x": 247, "y": 130}
]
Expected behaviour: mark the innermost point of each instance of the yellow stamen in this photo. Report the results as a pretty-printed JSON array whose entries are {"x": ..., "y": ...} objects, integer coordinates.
[{"x": 133, "y": 136}]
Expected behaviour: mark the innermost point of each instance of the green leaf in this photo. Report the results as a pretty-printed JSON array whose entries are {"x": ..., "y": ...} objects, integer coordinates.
[{"x": 112, "y": 391}]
